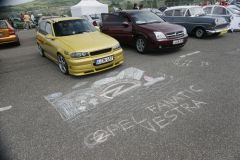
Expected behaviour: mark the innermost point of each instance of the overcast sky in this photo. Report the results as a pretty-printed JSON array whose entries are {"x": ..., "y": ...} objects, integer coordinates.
[{"x": 13, "y": 2}]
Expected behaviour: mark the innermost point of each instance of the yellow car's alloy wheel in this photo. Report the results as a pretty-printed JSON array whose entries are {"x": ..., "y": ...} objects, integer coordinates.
[
  {"x": 62, "y": 64},
  {"x": 40, "y": 50}
]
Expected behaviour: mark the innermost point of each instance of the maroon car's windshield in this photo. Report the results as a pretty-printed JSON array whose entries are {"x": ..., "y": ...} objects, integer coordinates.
[{"x": 145, "y": 17}]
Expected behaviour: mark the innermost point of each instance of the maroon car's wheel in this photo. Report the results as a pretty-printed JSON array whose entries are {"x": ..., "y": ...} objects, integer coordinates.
[{"x": 141, "y": 45}]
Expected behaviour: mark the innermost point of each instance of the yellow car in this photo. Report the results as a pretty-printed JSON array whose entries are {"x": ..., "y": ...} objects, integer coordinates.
[{"x": 77, "y": 46}]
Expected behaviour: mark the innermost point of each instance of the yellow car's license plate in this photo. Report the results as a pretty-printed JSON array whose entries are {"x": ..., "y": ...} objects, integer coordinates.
[{"x": 104, "y": 60}]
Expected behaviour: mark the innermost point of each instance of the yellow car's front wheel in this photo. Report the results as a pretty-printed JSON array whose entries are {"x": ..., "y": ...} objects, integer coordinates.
[{"x": 62, "y": 64}]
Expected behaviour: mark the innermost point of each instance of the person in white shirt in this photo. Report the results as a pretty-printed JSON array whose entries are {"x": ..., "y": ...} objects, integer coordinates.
[{"x": 32, "y": 18}]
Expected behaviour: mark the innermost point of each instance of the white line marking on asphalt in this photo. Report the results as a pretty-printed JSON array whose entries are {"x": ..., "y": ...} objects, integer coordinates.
[
  {"x": 5, "y": 108},
  {"x": 190, "y": 54}
]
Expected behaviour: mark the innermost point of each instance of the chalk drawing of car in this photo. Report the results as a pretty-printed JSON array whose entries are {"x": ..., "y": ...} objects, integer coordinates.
[{"x": 83, "y": 100}]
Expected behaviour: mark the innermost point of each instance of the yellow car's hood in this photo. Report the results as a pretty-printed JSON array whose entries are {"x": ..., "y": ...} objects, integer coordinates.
[{"x": 89, "y": 41}]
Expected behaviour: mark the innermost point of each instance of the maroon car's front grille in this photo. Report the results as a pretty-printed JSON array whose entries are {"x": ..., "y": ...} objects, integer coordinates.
[
  {"x": 175, "y": 35},
  {"x": 100, "y": 51}
]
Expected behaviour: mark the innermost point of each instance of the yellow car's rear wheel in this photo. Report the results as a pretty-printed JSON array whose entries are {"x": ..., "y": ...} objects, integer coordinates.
[
  {"x": 40, "y": 50},
  {"x": 62, "y": 64}
]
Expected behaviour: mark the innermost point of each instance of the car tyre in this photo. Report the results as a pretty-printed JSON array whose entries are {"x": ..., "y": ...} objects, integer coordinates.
[
  {"x": 41, "y": 51},
  {"x": 141, "y": 45},
  {"x": 17, "y": 43},
  {"x": 200, "y": 32},
  {"x": 62, "y": 64}
]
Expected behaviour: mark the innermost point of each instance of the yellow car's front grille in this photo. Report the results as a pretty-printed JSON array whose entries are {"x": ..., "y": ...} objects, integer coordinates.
[{"x": 100, "y": 51}]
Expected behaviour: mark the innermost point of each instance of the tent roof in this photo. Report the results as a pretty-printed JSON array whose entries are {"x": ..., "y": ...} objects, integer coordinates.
[
  {"x": 88, "y": 3},
  {"x": 88, "y": 7}
]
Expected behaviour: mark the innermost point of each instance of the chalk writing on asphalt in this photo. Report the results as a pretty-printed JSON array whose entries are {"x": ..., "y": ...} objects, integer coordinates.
[
  {"x": 163, "y": 113},
  {"x": 186, "y": 60}
]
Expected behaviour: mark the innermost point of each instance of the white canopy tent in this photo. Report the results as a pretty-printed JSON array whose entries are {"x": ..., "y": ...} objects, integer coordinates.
[{"x": 88, "y": 7}]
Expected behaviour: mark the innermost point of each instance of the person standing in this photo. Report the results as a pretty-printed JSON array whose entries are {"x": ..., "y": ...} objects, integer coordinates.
[
  {"x": 26, "y": 19},
  {"x": 140, "y": 6},
  {"x": 32, "y": 18},
  {"x": 22, "y": 17},
  {"x": 10, "y": 22}
]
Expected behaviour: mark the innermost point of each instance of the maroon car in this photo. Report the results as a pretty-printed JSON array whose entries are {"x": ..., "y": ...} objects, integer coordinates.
[{"x": 143, "y": 29}]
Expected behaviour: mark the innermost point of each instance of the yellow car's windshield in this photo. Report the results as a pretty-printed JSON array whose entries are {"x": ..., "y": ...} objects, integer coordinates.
[{"x": 72, "y": 27}]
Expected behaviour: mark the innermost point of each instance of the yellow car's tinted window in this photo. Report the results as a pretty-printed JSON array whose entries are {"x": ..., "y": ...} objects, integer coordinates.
[{"x": 72, "y": 27}]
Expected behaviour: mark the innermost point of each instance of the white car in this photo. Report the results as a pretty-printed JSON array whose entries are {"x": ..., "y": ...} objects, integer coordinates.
[
  {"x": 218, "y": 10},
  {"x": 154, "y": 10},
  {"x": 235, "y": 23}
]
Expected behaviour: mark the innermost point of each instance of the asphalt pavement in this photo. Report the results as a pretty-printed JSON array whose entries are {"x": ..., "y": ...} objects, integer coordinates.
[{"x": 164, "y": 105}]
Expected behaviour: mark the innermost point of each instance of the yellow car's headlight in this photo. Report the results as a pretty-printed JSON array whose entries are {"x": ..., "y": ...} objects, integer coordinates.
[
  {"x": 116, "y": 47},
  {"x": 79, "y": 54}
]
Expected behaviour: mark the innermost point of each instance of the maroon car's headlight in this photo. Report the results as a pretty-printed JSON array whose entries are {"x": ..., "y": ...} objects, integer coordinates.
[{"x": 160, "y": 36}]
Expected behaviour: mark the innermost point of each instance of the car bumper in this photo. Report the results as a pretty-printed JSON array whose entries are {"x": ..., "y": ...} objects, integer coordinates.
[
  {"x": 9, "y": 39},
  {"x": 79, "y": 67},
  {"x": 217, "y": 31},
  {"x": 169, "y": 43}
]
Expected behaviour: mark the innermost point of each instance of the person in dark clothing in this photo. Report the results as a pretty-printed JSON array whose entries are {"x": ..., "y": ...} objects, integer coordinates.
[
  {"x": 135, "y": 6},
  {"x": 10, "y": 22},
  {"x": 140, "y": 6},
  {"x": 22, "y": 17}
]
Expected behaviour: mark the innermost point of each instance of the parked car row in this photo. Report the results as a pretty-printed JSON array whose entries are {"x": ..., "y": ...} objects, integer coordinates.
[
  {"x": 230, "y": 12},
  {"x": 80, "y": 48}
]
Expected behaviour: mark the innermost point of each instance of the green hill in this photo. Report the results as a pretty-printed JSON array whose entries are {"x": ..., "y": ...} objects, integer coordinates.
[{"x": 40, "y": 6}]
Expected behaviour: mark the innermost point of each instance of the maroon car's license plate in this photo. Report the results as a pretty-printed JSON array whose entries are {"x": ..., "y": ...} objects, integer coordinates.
[{"x": 179, "y": 41}]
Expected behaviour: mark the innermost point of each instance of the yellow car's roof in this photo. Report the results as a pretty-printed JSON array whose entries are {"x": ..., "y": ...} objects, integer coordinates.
[{"x": 63, "y": 19}]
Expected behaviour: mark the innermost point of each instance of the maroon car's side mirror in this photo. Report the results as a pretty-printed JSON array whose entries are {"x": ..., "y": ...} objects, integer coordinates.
[
  {"x": 95, "y": 23},
  {"x": 125, "y": 24}
]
